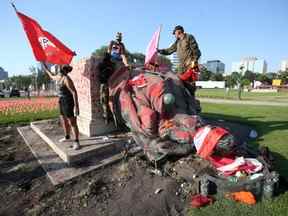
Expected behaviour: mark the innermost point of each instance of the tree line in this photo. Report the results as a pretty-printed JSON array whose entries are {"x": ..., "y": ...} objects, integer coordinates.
[
  {"x": 133, "y": 58},
  {"x": 244, "y": 78},
  {"x": 35, "y": 79}
]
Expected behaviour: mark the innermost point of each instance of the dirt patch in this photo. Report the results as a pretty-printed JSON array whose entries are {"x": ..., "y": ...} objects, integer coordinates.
[
  {"x": 22, "y": 180},
  {"x": 126, "y": 188}
]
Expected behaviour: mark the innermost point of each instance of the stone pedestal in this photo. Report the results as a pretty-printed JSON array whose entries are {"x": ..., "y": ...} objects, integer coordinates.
[{"x": 84, "y": 76}]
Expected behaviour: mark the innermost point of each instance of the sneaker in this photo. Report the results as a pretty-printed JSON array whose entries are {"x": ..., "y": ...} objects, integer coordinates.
[
  {"x": 64, "y": 139},
  {"x": 76, "y": 146}
]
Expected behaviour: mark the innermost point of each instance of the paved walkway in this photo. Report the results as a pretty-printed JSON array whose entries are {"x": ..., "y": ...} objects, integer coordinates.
[{"x": 242, "y": 102}]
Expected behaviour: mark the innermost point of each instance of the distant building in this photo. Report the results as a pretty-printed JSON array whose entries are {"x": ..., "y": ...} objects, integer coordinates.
[
  {"x": 174, "y": 60},
  {"x": 215, "y": 66},
  {"x": 250, "y": 64},
  {"x": 3, "y": 74},
  {"x": 284, "y": 65}
]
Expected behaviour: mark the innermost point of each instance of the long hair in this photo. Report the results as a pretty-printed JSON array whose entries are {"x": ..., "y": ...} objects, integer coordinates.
[{"x": 65, "y": 69}]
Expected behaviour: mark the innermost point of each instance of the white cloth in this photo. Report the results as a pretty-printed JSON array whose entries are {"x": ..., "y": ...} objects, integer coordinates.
[
  {"x": 200, "y": 137},
  {"x": 241, "y": 161},
  {"x": 232, "y": 166}
]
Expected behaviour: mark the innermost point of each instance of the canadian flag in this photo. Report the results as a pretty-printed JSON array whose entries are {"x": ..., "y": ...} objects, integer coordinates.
[
  {"x": 206, "y": 139},
  {"x": 45, "y": 46},
  {"x": 151, "y": 51}
]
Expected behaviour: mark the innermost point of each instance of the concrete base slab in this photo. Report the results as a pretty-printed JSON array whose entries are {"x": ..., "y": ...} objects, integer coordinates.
[
  {"x": 94, "y": 127},
  {"x": 51, "y": 132},
  {"x": 57, "y": 170}
]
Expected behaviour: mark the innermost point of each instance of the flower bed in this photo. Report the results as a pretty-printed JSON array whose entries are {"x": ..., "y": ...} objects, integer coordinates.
[{"x": 25, "y": 110}]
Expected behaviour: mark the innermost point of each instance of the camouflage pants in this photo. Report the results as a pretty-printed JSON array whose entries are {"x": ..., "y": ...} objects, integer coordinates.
[
  {"x": 104, "y": 101},
  {"x": 191, "y": 87}
]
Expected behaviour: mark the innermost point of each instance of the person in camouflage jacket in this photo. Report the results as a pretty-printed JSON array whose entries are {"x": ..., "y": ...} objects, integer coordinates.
[{"x": 188, "y": 53}]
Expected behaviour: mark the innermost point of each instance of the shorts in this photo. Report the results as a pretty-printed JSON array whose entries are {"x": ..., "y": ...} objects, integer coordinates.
[{"x": 66, "y": 106}]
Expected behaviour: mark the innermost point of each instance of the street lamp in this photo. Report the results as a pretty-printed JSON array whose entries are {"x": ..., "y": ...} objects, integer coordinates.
[{"x": 239, "y": 81}]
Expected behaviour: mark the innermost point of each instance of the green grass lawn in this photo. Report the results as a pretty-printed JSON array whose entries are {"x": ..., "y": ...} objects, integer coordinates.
[
  {"x": 28, "y": 117},
  {"x": 272, "y": 125},
  {"x": 233, "y": 95}
]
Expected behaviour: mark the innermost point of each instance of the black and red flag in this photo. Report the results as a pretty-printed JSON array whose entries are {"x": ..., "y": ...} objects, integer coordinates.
[{"x": 46, "y": 47}]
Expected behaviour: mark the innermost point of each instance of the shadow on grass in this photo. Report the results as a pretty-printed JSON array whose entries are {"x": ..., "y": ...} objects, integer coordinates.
[{"x": 262, "y": 127}]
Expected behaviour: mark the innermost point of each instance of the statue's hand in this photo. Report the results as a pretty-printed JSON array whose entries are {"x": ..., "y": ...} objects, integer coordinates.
[{"x": 194, "y": 64}]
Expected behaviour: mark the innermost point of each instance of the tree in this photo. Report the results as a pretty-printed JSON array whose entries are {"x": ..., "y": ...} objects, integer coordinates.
[
  {"x": 205, "y": 74},
  {"x": 245, "y": 82},
  {"x": 237, "y": 78},
  {"x": 283, "y": 75},
  {"x": 229, "y": 82},
  {"x": 42, "y": 77},
  {"x": 232, "y": 80},
  {"x": 136, "y": 58},
  {"x": 240, "y": 79},
  {"x": 263, "y": 78},
  {"x": 133, "y": 58},
  {"x": 100, "y": 52},
  {"x": 272, "y": 75},
  {"x": 249, "y": 75},
  {"x": 216, "y": 77},
  {"x": 20, "y": 81},
  {"x": 33, "y": 72}
]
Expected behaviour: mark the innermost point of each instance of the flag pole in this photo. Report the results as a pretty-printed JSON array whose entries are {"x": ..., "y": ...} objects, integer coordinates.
[
  {"x": 160, "y": 29},
  {"x": 13, "y": 5},
  {"x": 159, "y": 35}
]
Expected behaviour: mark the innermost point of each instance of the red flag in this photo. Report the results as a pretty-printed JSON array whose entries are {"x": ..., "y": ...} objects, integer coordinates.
[
  {"x": 45, "y": 46},
  {"x": 151, "y": 51}
]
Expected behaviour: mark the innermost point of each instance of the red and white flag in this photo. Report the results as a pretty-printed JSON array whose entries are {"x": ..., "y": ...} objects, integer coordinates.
[
  {"x": 151, "y": 51},
  {"x": 45, "y": 46}
]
